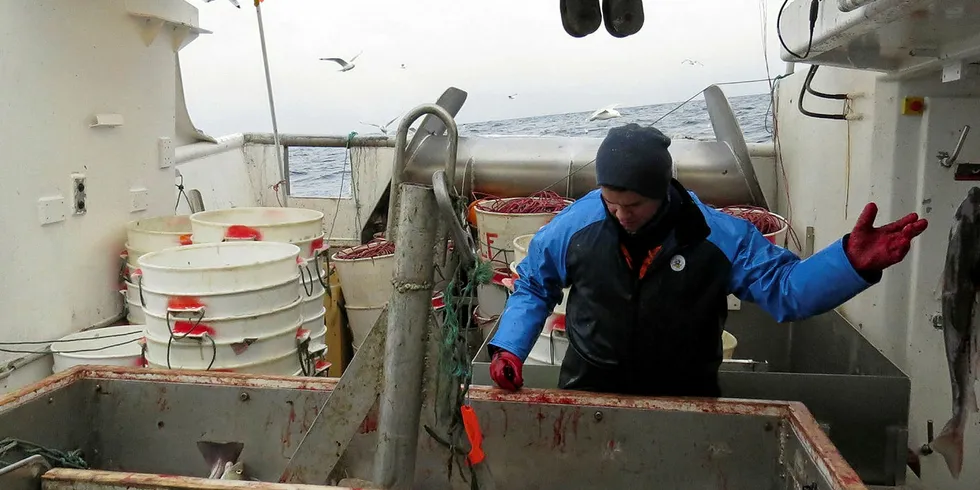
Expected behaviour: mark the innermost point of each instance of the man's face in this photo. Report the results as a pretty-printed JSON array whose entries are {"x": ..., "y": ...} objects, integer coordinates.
[{"x": 630, "y": 209}]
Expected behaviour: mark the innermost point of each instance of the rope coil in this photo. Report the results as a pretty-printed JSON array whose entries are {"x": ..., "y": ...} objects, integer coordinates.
[
  {"x": 765, "y": 221},
  {"x": 539, "y": 202}
]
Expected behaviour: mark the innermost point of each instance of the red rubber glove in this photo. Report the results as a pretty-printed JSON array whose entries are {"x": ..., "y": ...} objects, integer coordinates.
[
  {"x": 505, "y": 370},
  {"x": 874, "y": 249}
]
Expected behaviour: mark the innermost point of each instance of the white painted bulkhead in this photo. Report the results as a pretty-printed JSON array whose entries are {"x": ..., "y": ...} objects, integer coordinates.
[
  {"x": 88, "y": 92},
  {"x": 834, "y": 168}
]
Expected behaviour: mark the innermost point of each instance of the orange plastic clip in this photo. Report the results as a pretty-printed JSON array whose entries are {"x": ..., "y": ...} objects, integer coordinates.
[{"x": 473, "y": 433}]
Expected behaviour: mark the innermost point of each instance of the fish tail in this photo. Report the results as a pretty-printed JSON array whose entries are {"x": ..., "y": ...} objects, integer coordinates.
[{"x": 950, "y": 443}]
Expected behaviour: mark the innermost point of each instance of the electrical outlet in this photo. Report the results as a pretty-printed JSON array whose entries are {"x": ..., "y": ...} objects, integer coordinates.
[
  {"x": 78, "y": 189},
  {"x": 165, "y": 146}
]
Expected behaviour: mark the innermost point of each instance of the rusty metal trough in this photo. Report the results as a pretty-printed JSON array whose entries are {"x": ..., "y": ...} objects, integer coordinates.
[{"x": 138, "y": 429}]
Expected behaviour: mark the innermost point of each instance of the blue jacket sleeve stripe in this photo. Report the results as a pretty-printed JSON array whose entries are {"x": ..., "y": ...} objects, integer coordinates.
[
  {"x": 542, "y": 277},
  {"x": 787, "y": 287}
]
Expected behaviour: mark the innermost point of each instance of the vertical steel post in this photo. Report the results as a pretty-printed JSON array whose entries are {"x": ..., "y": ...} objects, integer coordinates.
[{"x": 405, "y": 349}]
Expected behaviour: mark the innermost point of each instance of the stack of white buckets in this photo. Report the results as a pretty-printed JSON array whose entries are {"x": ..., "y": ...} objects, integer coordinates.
[
  {"x": 241, "y": 290},
  {"x": 367, "y": 287},
  {"x": 497, "y": 232}
]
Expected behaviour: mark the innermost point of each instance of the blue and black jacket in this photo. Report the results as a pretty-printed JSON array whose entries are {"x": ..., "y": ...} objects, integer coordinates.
[{"x": 658, "y": 332}]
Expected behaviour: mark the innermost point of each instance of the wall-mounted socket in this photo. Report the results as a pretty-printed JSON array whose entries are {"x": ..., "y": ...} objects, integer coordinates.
[
  {"x": 165, "y": 147},
  {"x": 78, "y": 189}
]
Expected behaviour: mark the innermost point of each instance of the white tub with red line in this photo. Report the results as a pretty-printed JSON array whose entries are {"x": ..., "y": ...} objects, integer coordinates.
[{"x": 268, "y": 224}]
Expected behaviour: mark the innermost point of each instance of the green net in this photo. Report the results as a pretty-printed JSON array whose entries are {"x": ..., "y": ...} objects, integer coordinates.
[
  {"x": 13, "y": 450},
  {"x": 455, "y": 365}
]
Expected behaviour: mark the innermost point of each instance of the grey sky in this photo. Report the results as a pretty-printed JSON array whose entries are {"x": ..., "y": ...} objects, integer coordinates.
[{"x": 488, "y": 48}]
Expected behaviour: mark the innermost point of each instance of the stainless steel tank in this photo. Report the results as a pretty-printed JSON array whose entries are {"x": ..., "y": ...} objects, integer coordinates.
[{"x": 720, "y": 172}]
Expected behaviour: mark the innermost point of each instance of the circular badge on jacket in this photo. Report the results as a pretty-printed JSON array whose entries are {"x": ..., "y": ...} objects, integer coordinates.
[{"x": 677, "y": 263}]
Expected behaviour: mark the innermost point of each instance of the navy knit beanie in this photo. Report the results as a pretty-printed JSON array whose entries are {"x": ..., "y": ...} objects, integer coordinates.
[{"x": 635, "y": 158}]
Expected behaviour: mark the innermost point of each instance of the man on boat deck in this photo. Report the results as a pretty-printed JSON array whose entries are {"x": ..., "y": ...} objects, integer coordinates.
[{"x": 650, "y": 267}]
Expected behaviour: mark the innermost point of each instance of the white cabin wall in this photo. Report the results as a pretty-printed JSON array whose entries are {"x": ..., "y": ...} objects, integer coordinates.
[
  {"x": 924, "y": 186},
  {"x": 219, "y": 172},
  {"x": 893, "y": 163},
  {"x": 824, "y": 172},
  {"x": 63, "y": 63}
]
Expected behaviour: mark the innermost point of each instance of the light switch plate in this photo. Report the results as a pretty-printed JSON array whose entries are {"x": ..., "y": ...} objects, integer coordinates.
[
  {"x": 138, "y": 199},
  {"x": 51, "y": 209}
]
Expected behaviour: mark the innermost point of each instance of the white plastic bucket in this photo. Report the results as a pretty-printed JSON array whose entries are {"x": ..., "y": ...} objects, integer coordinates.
[
  {"x": 315, "y": 322},
  {"x": 550, "y": 348},
  {"x": 227, "y": 329},
  {"x": 493, "y": 296},
  {"x": 361, "y": 319},
  {"x": 133, "y": 255},
  {"x": 317, "y": 346},
  {"x": 309, "y": 285},
  {"x": 497, "y": 231},
  {"x": 313, "y": 305},
  {"x": 197, "y": 353},
  {"x": 521, "y": 245},
  {"x": 484, "y": 322},
  {"x": 115, "y": 346},
  {"x": 159, "y": 233},
  {"x": 366, "y": 282},
  {"x": 311, "y": 247},
  {"x": 268, "y": 224},
  {"x": 778, "y": 237},
  {"x": 218, "y": 267},
  {"x": 221, "y": 305},
  {"x": 286, "y": 365},
  {"x": 134, "y": 313}
]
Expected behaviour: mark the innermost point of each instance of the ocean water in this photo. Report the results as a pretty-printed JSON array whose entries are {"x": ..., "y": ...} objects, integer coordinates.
[{"x": 323, "y": 172}]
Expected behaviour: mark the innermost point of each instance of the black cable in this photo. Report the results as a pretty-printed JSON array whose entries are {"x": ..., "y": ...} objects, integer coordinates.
[
  {"x": 94, "y": 349},
  {"x": 803, "y": 91},
  {"x": 814, "y": 10},
  {"x": 29, "y": 342}
]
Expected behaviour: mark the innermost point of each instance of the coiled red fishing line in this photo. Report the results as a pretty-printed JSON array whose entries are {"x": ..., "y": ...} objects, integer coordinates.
[
  {"x": 371, "y": 249},
  {"x": 763, "y": 220},
  {"x": 539, "y": 202}
]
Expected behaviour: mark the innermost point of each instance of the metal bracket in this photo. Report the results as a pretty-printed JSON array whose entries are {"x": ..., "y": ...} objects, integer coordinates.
[
  {"x": 24, "y": 474},
  {"x": 401, "y": 159},
  {"x": 808, "y": 242},
  {"x": 462, "y": 242},
  {"x": 947, "y": 160}
]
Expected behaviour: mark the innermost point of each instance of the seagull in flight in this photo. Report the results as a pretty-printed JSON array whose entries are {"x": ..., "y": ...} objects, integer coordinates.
[
  {"x": 692, "y": 62},
  {"x": 384, "y": 129},
  {"x": 233, "y": 2},
  {"x": 512, "y": 96},
  {"x": 608, "y": 112},
  {"x": 403, "y": 66},
  {"x": 344, "y": 65}
]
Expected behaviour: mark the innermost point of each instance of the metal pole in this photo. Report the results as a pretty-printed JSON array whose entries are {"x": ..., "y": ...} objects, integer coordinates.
[
  {"x": 272, "y": 105},
  {"x": 401, "y": 140},
  {"x": 408, "y": 318}
]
